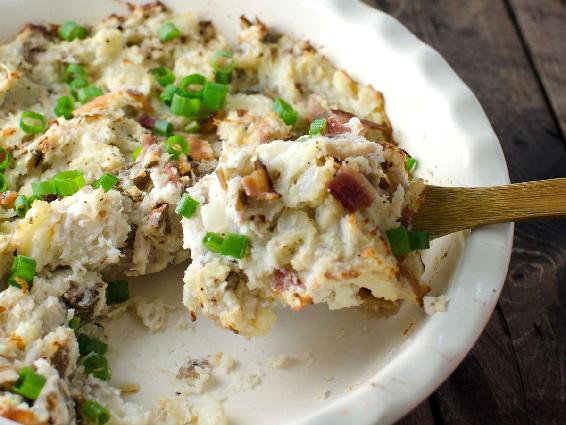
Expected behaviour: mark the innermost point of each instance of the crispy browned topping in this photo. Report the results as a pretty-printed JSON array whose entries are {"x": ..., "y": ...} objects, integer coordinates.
[
  {"x": 199, "y": 149},
  {"x": 258, "y": 185}
]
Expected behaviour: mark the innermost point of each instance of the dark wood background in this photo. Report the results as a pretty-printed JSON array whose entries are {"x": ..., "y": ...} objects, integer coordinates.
[{"x": 512, "y": 53}]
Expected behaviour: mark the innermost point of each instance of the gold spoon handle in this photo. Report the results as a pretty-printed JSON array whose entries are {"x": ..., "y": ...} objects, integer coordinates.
[{"x": 451, "y": 209}]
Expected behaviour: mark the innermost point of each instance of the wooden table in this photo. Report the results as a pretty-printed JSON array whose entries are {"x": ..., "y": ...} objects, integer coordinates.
[{"x": 512, "y": 53}]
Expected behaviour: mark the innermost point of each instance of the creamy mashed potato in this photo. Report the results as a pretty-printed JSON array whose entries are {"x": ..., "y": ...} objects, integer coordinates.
[{"x": 313, "y": 211}]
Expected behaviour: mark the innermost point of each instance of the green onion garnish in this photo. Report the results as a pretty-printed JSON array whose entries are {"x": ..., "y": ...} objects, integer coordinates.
[
  {"x": 168, "y": 32},
  {"x": 285, "y": 111},
  {"x": 411, "y": 164},
  {"x": 88, "y": 93},
  {"x": 419, "y": 240},
  {"x": 107, "y": 181},
  {"x": 186, "y": 206},
  {"x": 4, "y": 159},
  {"x": 64, "y": 107},
  {"x": 78, "y": 83},
  {"x": 68, "y": 182},
  {"x": 176, "y": 145},
  {"x": 136, "y": 153},
  {"x": 403, "y": 241},
  {"x": 71, "y": 30},
  {"x": 29, "y": 383},
  {"x": 214, "y": 95},
  {"x": 163, "y": 75},
  {"x": 97, "y": 365},
  {"x": 399, "y": 240},
  {"x": 3, "y": 183},
  {"x": 185, "y": 106},
  {"x": 213, "y": 241},
  {"x": 163, "y": 128},
  {"x": 189, "y": 82},
  {"x": 117, "y": 292},
  {"x": 42, "y": 188},
  {"x": 32, "y": 122},
  {"x": 166, "y": 95},
  {"x": 317, "y": 127},
  {"x": 234, "y": 245},
  {"x": 223, "y": 65},
  {"x": 95, "y": 412},
  {"x": 75, "y": 323},
  {"x": 23, "y": 267},
  {"x": 73, "y": 71},
  {"x": 21, "y": 206},
  {"x": 89, "y": 345},
  {"x": 192, "y": 127}
]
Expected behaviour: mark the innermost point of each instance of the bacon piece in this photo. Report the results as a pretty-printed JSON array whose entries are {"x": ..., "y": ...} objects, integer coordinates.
[
  {"x": 352, "y": 188},
  {"x": 258, "y": 185},
  {"x": 336, "y": 123},
  {"x": 157, "y": 215},
  {"x": 199, "y": 149},
  {"x": 284, "y": 279},
  {"x": 147, "y": 121},
  {"x": 172, "y": 173}
]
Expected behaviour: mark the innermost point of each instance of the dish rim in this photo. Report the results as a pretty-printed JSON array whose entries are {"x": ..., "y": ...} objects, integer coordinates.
[{"x": 377, "y": 401}]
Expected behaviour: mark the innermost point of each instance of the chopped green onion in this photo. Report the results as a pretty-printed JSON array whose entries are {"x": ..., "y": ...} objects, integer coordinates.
[
  {"x": 89, "y": 345},
  {"x": 64, "y": 107},
  {"x": 317, "y": 127},
  {"x": 163, "y": 128},
  {"x": 75, "y": 323},
  {"x": 3, "y": 183},
  {"x": 399, "y": 240},
  {"x": 73, "y": 71},
  {"x": 176, "y": 145},
  {"x": 187, "y": 85},
  {"x": 168, "y": 32},
  {"x": 214, "y": 95},
  {"x": 117, "y": 292},
  {"x": 29, "y": 383},
  {"x": 88, "y": 93},
  {"x": 403, "y": 241},
  {"x": 234, "y": 245},
  {"x": 97, "y": 365},
  {"x": 411, "y": 164},
  {"x": 78, "y": 83},
  {"x": 32, "y": 122},
  {"x": 285, "y": 111},
  {"x": 186, "y": 206},
  {"x": 419, "y": 240},
  {"x": 185, "y": 106},
  {"x": 213, "y": 241},
  {"x": 192, "y": 127},
  {"x": 71, "y": 30},
  {"x": 223, "y": 66},
  {"x": 42, "y": 188},
  {"x": 21, "y": 206},
  {"x": 136, "y": 153},
  {"x": 68, "y": 182},
  {"x": 95, "y": 412},
  {"x": 23, "y": 268},
  {"x": 107, "y": 181},
  {"x": 163, "y": 75},
  {"x": 4, "y": 159},
  {"x": 166, "y": 95}
]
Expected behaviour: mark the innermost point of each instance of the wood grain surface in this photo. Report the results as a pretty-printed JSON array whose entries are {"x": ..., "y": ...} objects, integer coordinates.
[{"x": 512, "y": 55}]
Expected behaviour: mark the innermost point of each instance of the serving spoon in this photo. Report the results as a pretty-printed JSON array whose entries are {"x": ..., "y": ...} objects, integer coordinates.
[{"x": 451, "y": 209}]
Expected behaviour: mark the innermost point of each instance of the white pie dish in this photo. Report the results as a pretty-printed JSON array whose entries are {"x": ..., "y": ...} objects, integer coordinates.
[{"x": 439, "y": 121}]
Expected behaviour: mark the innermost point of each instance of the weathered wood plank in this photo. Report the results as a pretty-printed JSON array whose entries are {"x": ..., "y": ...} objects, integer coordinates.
[
  {"x": 516, "y": 375},
  {"x": 421, "y": 415},
  {"x": 543, "y": 26}
]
